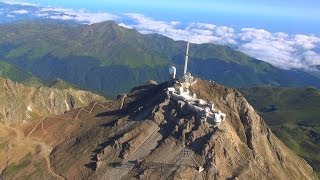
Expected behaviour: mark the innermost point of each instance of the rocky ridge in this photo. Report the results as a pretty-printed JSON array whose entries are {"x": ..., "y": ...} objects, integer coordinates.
[
  {"x": 145, "y": 135},
  {"x": 23, "y": 103}
]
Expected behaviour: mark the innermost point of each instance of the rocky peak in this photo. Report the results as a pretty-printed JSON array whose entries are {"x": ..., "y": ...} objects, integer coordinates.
[{"x": 150, "y": 137}]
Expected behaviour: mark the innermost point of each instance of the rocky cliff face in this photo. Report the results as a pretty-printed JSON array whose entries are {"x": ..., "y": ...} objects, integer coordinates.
[
  {"x": 19, "y": 102},
  {"x": 145, "y": 135}
]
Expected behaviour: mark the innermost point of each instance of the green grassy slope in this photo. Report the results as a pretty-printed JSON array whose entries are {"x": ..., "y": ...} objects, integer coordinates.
[
  {"x": 293, "y": 115},
  {"x": 15, "y": 74},
  {"x": 111, "y": 44},
  {"x": 85, "y": 54}
]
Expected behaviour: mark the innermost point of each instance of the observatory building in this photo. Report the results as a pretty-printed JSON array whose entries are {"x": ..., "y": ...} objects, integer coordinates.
[
  {"x": 172, "y": 72},
  {"x": 186, "y": 101}
]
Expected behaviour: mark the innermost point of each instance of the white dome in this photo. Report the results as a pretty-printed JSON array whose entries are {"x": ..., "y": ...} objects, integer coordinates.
[{"x": 172, "y": 70}]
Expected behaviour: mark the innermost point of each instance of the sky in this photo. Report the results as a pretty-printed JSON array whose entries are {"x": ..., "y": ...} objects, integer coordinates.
[
  {"x": 285, "y": 33},
  {"x": 273, "y": 15}
]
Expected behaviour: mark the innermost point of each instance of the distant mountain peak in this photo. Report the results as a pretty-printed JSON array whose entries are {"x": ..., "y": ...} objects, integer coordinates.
[{"x": 104, "y": 26}]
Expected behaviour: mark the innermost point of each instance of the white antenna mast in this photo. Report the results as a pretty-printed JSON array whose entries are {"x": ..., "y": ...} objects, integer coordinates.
[{"x": 187, "y": 58}]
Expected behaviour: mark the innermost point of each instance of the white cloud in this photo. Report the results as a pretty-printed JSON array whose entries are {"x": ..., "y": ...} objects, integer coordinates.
[
  {"x": 252, "y": 33},
  {"x": 10, "y": 16},
  {"x": 148, "y": 25},
  {"x": 18, "y": 3},
  {"x": 279, "y": 49},
  {"x": 145, "y": 23},
  {"x": 125, "y": 26},
  {"x": 204, "y": 26},
  {"x": 199, "y": 32},
  {"x": 272, "y": 54},
  {"x": 312, "y": 58},
  {"x": 62, "y": 17},
  {"x": 77, "y": 15},
  {"x": 175, "y": 23},
  {"x": 307, "y": 42},
  {"x": 64, "y": 13},
  {"x": 22, "y": 11}
]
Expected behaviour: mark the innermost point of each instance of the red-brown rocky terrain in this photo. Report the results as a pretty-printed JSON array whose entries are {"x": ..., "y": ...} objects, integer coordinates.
[{"x": 144, "y": 135}]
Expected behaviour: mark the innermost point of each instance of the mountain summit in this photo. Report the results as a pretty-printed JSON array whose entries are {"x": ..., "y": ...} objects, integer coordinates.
[{"x": 147, "y": 135}]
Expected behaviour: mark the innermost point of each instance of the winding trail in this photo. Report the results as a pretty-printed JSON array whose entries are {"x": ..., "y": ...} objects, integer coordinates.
[
  {"x": 29, "y": 134},
  {"x": 45, "y": 149},
  {"x": 90, "y": 111},
  {"x": 21, "y": 139},
  {"x": 41, "y": 123},
  {"x": 57, "y": 117}
]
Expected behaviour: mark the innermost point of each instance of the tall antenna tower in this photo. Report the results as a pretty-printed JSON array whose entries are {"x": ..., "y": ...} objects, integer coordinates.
[{"x": 187, "y": 58}]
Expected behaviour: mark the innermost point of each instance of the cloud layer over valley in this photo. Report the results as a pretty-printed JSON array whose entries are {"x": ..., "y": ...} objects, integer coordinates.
[{"x": 286, "y": 51}]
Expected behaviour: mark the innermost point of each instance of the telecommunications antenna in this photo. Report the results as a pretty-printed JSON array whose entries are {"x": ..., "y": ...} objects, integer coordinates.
[{"x": 187, "y": 57}]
